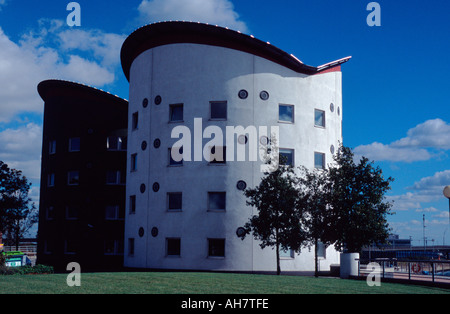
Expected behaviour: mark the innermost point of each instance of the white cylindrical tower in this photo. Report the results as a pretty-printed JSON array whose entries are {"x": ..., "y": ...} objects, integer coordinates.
[{"x": 189, "y": 82}]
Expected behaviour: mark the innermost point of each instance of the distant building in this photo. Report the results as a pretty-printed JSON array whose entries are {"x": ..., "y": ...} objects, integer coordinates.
[{"x": 83, "y": 176}]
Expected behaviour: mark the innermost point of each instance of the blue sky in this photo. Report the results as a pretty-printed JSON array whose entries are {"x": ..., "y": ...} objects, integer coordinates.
[{"x": 395, "y": 87}]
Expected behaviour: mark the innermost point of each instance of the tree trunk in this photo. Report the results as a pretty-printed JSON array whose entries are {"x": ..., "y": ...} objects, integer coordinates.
[
  {"x": 316, "y": 249},
  {"x": 278, "y": 253}
]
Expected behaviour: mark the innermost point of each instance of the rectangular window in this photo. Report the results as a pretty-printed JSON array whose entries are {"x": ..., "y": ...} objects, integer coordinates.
[
  {"x": 134, "y": 121},
  {"x": 286, "y": 253},
  {"x": 112, "y": 212},
  {"x": 217, "y": 201},
  {"x": 130, "y": 246},
  {"x": 72, "y": 212},
  {"x": 319, "y": 160},
  {"x": 218, "y": 155},
  {"x": 114, "y": 143},
  {"x": 51, "y": 179},
  {"x": 74, "y": 144},
  {"x": 216, "y": 247},
  {"x": 218, "y": 110},
  {"x": 70, "y": 247},
  {"x": 319, "y": 118},
  {"x": 178, "y": 153},
  {"x": 286, "y": 113},
  {"x": 50, "y": 213},
  {"x": 115, "y": 177},
  {"x": 174, "y": 201},
  {"x": 286, "y": 157},
  {"x": 132, "y": 204},
  {"x": 133, "y": 164},
  {"x": 176, "y": 113},
  {"x": 321, "y": 250},
  {"x": 113, "y": 247},
  {"x": 73, "y": 178},
  {"x": 52, "y": 147},
  {"x": 173, "y": 246}
]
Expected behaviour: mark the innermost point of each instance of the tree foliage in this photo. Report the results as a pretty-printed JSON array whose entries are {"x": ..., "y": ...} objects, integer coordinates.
[
  {"x": 278, "y": 223},
  {"x": 17, "y": 213},
  {"x": 342, "y": 206},
  {"x": 359, "y": 209}
]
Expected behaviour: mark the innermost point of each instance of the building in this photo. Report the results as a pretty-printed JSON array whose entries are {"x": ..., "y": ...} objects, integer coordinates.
[
  {"x": 83, "y": 175},
  {"x": 184, "y": 75}
]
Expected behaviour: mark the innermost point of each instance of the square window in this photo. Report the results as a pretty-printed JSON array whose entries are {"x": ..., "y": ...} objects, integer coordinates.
[
  {"x": 52, "y": 147},
  {"x": 218, "y": 155},
  {"x": 319, "y": 160},
  {"x": 286, "y": 253},
  {"x": 319, "y": 118},
  {"x": 176, "y": 113},
  {"x": 173, "y": 246},
  {"x": 73, "y": 178},
  {"x": 216, "y": 247},
  {"x": 71, "y": 212},
  {"x": 132, "y": 204},
  {"x": 174, "y": 201},
  {"x": 115, "y": 177},
  {"x": 114, "y": 143},
  {"x": 218, "y": 110},
  {"x": 217, "y": 201},
  {"x": 134, "y": 121},
  {"x": 70, "y": 247},
  {"x": 74, "y": 144},
  {"x": 133, "y": 164},
  {"x": 287, "y": 157},
  {"x": 286, "y": 113},
  {"x": 112, "y": 212},
  {"x": 178, "y": 153}
]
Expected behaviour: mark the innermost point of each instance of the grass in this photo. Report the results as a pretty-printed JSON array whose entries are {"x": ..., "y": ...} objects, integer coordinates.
[{"x": 198, "y": 283}]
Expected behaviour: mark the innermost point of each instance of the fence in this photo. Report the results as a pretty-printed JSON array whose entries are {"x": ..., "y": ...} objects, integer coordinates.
[{"x": 434, "y": 271}]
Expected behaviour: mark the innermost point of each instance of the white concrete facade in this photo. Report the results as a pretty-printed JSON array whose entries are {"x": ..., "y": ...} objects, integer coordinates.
[{"x": 195, "y": 75}]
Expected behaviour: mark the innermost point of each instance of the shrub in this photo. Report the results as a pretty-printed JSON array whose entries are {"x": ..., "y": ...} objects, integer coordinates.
[{"x": 26, "y": 270}]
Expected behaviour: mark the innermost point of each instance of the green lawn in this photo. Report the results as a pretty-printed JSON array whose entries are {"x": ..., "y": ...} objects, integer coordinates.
[{"x": 197, "y": 283}]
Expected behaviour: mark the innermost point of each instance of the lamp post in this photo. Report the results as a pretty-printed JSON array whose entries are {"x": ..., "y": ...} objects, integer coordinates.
[{"x": 447, "y": 195}]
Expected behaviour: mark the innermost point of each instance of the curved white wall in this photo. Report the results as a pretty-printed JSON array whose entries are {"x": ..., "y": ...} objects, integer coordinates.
[{"x": 194, "y": 75}]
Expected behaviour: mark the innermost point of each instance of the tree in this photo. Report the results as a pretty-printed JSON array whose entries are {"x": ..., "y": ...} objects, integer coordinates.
[
  {"x": 314, "y": 191},
  {"x": 278, "y": 223},
  {"x": 358, "y": 206},
  {"x": 17, "y": 213}
]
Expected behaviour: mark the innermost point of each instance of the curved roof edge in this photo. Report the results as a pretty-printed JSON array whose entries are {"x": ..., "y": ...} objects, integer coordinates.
[
  {"x": 46, "y": 87},
  {"x": 163, "y": 33}
]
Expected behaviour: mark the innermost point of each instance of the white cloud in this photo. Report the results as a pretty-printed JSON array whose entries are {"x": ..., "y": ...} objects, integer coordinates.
[
  {"x": 430, "y": 135},
  {"x": 426, "y": 190},
  {"x": 216, "y": 12},
  {"x": 21, "y": 149},
  {"x": 46, "y": 53}
]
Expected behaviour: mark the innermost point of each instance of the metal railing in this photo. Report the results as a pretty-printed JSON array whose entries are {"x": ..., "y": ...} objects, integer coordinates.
[{"x": 422, "y": 270}]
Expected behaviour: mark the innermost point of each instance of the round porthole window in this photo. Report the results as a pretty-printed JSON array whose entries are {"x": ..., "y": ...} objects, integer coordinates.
[
  {"x": 141, "y": 232},
  {"x": 145, "y": 103},
  {"x": 155, "y": 187},
  {"x": 157, "y": 143},
  {"x": 264, "y": 140},
  {"x": 243, "y": 94},
  {"x": 241, "y": 185},
  {"x": 339, "y": 110},
  {"x": 332, "y": 149},
  {"x": 154, "y": 232},
  {"x": 242, "y": 139},
  {"x": 142, "y": 188},
  {"x": 158, "y": 100},
  {"x": 240, "y": 232},
  {"x": 144, "y": 145},
  {"x": 332, "y": 107},
  {"x": 264, "y": 95}
]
